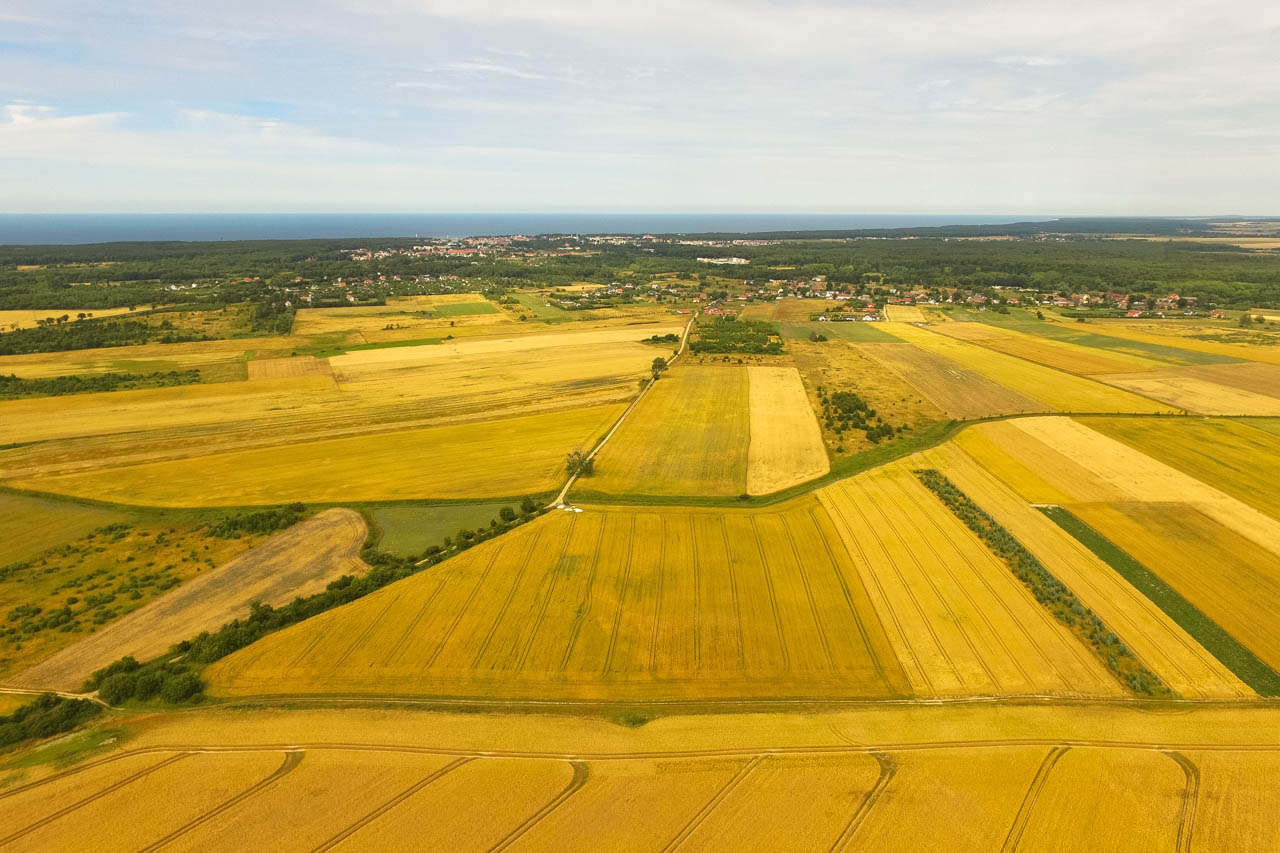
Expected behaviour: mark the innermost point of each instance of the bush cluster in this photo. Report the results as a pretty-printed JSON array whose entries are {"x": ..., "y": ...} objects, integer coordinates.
[
  {"x": 1047, "y": 589},
  {"x": 48, "y": 715},
  {"x": 844, "y": 410},
  {"x": 13, "y": 386},
  {"x": 264, "y": 521},
  {"x": 127, "y": 679}
]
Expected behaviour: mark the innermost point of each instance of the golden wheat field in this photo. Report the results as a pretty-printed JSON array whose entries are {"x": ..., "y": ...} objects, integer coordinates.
[
  {"x": 11, "y": 320},
  {"x": 1214, "y": 340},
  {"x": 487, "y": 459},
  {"x": 959, "y": 620},
  {"x": 1056, "y": 389},
  {"x": 1154, "y": 638},
  {"x": 300, "y": 561},
  {"x": 954, "y": 779},
  {"x": 613, "y": 603},
  {"x": 142, "y": 358},
  {"x": 688, "y": 436},
  {"x": 904, "y": 313},
  {"x": 786, "y": 446},
  {"x": 956, "y": 390},
  {"x": 1195, "y": 394},
  {"x": 1061, "y": 355}
]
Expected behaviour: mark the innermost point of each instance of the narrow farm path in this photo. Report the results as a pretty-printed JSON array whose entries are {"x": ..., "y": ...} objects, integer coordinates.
[{"x": 684, "y": 340}]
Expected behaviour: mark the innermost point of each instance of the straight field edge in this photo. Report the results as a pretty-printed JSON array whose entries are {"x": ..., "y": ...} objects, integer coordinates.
[{"x": 1229, "y": 651}]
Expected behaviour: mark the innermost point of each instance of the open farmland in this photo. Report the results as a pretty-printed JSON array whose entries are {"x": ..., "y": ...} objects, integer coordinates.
[
  {"x": 517, "y": 455},
  {"x": 1229, "y": 455},
  {"x": 29, "y": 319},
  {"x": 960, "y": 621},
  {"x": 1054, "y": 389},
  {"x": 1152, "y": 636},
  {"x": 952, "y": 387},
  {"x": 867, "y": 779},
  {"x": 1193, "y": 393},
  {"x": 30, "y": 525},
  {"x": 1224, "y": 343},
  {"x": 296, "y": 562},
  {"x": 680, "y": 604},
  {"x": 1241, "y": 592},
  {"x": 1058, "y": 354},
  {"x": 688, "y": 436},
  {"x": 904, "y": 313},
  {"x": 786, "y": 444},
  {"x": 144, "y": 358}
]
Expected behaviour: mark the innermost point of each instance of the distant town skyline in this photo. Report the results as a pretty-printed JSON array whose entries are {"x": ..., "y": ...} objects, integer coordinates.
[{"x": 1133, "y": 107}]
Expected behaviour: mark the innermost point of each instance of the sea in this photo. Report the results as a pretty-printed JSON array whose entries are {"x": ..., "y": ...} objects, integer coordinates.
[{"x": 61, "y": 229}]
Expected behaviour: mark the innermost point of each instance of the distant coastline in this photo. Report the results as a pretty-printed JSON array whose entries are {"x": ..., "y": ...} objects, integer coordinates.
[{"x": 74, "y": 228}]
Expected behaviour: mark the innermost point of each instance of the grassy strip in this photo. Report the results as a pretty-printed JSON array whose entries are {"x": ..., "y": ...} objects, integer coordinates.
[
  {"x": 326, "y": 352},
  {"x": 1048, "y": 590},
  {"x": 1229, "y": 651}
]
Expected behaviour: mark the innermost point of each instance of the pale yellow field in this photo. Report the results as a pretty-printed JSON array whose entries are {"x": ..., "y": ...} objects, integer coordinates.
[
  {"x": 140, "y": 359},
  {"x": 688, "y": 436},
  {"x": 617, "y": 604},
  {"x": 1061, "y": 355},
  {"x": 958, "y": 778},
  {"x": 368, "y": 324},
  {"x": 952, "y": 387},
  {"x": 1247, "y": 376},
  {"x": 11, "y": 320},
  {"x": 282, "y": 368},
  {"x": 1233, "y": 581},
  {"x": 1155, "y": 639},
  {"x": 960, "y": 621},
  {"x": 786, "y": 444},
  {"x": 1193, "y": 394},
  {"x": 522, "y": 343},
  {"x": 1181, "y": 336},
  {"x": 296, "y": 562},
  {"x": 494, "y": 458},
  {"x": 904, "y": 313},
  {"x": 1056, "y": 389}
]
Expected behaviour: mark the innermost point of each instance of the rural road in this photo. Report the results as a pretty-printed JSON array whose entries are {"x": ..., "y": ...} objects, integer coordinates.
[{"x": 684, "y": 340}]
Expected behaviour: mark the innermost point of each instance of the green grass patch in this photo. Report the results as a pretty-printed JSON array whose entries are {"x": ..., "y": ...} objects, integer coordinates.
[
  {"x": 858, "y": 332},
  {"x": 1071, "y": 334},
  {"x": 410, "y": 530},
  {"x": 463, "y": 309},
  {"x": 339, "y": 350},
  {"x": 538, "y": 307},
  {"x": 1229, "y": 651}
]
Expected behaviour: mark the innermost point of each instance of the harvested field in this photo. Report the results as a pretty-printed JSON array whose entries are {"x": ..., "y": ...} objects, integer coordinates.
[
  {"x": 960, "y": 621},
  {"x": 146, "y": 358},
  {"x": 628, "y": 605},
  {"x": 522, "y": 455},
  {"x": 284, "y": 368},
  {"x": 1194, "y": 394},
  {"x": 688, "y": 436},
  {"x": 953, "y": 388},
  {"x": 299, "y": 561},
  {"x": 786, "y": 444},
  {"x": 1188, "y": 338},
  {"x": 1053, "y": 388},
  {"x": 29, "y": 525},
  {"x": 904, "y": 313},
  {"x": 1233, "y": 581},
  {"x": 1248, "y": 376},
  {"x": 1153, "y": 637},
  {"x": 871, "y": 779},
  {"x": 522, "y": 343},
  {"x": 1057, "y": 354}
]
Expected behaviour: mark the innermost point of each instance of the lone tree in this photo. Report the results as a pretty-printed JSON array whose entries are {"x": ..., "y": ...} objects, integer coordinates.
[
  {"x": 579, "y": 464},
  {"x": 659, "y": 365}
]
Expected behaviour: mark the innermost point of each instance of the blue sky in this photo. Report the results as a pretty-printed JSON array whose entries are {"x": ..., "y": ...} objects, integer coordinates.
[{"x": 928, "y": 106}]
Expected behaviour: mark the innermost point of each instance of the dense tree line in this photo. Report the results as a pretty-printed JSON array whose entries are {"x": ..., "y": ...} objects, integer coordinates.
[
  {"x": 47, "y": 716},
  {"x": 258, "y": 523},
  {"x": 93, "y": 334},
  {"x": 13, "y": 386},
  {"x": 1048, "y": 590}
]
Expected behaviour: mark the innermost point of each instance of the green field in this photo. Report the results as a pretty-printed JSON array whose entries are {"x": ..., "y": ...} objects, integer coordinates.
[
  {"x": 31, "y": 525},
  {"x": 462, "y": 309},
  {"x": 538, "y": 306},
  {"x": 410, "y": 530}
]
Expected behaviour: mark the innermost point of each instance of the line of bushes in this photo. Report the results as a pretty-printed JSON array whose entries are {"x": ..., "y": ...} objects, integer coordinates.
[
  {"x": 47, "y": 716},
  {"x": 1234, "y": 655},
  {"x": 1048, "y": 590},
  {"x": 263, "y": 521},
  {"x": 13, "y": 386}
]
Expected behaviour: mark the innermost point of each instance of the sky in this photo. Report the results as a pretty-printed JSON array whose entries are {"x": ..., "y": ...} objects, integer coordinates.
[{"x": 1144, "y": 107}]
